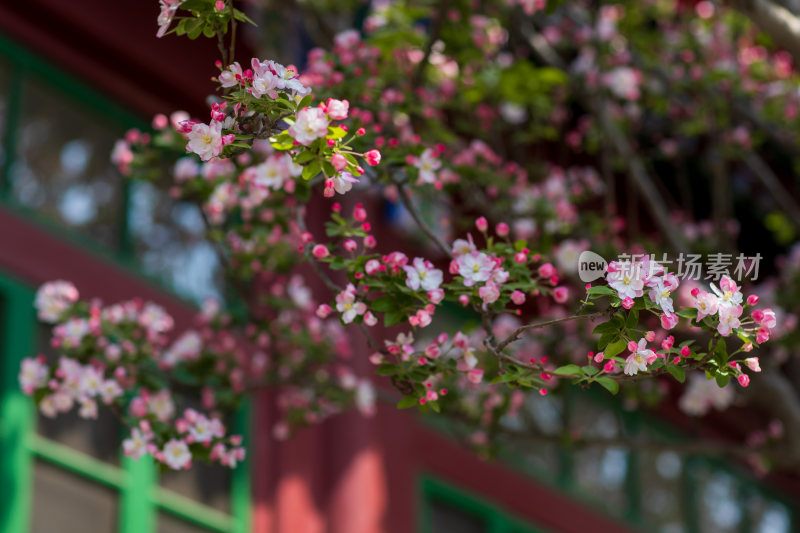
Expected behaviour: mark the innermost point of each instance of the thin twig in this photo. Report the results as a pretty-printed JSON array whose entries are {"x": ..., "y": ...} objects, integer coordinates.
[
  {"x": 520, "y": 330},
  {"x": 406, "y": 199}
]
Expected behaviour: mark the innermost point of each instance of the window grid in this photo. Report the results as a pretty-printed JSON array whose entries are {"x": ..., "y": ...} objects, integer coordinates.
[
  {"x": 633, "y": 423},
  {"x": 140, "y": 496}
]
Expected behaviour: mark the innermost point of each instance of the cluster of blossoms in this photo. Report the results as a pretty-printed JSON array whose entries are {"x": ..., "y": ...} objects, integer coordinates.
[
  {"x": 252, "y": 167},
  {"x": 106, "y": 355},
  {"x": 631, "y": 278},
  {"x": 725, "y": 303},
  {"x": 198, "y": 435}
]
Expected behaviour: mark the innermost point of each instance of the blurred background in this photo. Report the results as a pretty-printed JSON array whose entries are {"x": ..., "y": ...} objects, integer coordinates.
[{"x": 74, "y": 77}]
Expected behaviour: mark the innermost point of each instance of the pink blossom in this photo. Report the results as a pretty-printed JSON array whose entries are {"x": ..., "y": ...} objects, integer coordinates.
[
  {"x": 337, "y": 109},
  {"x": 310, "y": 124},
  {"x": 205, "y": 140},
  {"x": 489, "y": 293},
  {"x": 560, "y": 294},
  {"x": 474, "y": 267}
]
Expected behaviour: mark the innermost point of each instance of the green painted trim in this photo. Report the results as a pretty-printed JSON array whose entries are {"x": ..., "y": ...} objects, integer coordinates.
[
  {"x": 137, "y": 512},
  {"x": 190, "y": 511},
  {"x": 76, "y": 462},
  {"x": 19, "y": 56},
  {"x": 26, "y": 64},
  {"x": 17, "y": 328},
  {"x": 497, "y": 519},
  {"x": 240, "y": 490}
]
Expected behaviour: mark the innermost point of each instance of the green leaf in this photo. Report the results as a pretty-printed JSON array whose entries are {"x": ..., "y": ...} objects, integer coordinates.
[
  {"x": 384, "y": 303},
  {"x": 569, "y": 370},
  {"x": 238, "y": 15},
  {"x": 392, "y": 318},
  {"x": 311, "y": 170},
  {"x": 306, "y": 101},
  {"x": 633, "y": 319},
  {"x": 386, "y": 370},
  {"x": 609, "y": 384},
  {"x": 677, "y": 372},
  {"x": 690, "y": 313},
  {"x": 335, "y": 132},
  {"x": 605, "y": 327},
  {"x": 304, "y": 157},
  {"x": 615, "y": 348},
  {"x": 505, "y": 377},
  {"x": 338, "y": 263},
  {"x": 601, "y": 290},
  {"x": 407, "y": 401},
  {"x": 589, "y": 370},
  {"x": 722, "y": 380}
]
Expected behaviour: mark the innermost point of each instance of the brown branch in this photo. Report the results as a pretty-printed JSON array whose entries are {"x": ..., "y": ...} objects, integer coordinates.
[
  {"x": 406, "y": 199},
  {"x": 520, "y": 330},
  {"x": 438, "y": 23}
]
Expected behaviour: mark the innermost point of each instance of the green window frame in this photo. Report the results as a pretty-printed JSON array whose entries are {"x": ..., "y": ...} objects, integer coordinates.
[
  {"x": 140, "y": 496},
  {"x": 434, "y": 490}
]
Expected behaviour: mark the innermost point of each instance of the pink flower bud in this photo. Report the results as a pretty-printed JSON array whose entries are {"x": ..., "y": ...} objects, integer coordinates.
[
  {"x": 752, "y": 364},
  {"x": 752, "y": 299},
  {"x": 667, "y": 343},
  {"x": 685, "y": 351},
  {"x": 219, "y": 5},
  {"x": 320, "y": 251},
  {"x": 370, "y": 242},
  {"x": 695, "y": 292},
  {"x": 560, "y": 294},
  {"x": 482, "y": 224},
  {"x": 463, "y": 300},
  {"x": 502, "y": 229},
  {"x": 633, "y": 346},
  {"x": 359, "y": 213},
  {"x": 324, "y": 310},
  {"x": 547, "y": 271},
  {"x": 521, "y": 258},
  {"x": 609, "y": 366},
  {"x": 650, "y": 336},
  {"x": 669, "y": 321},
  {"x": 518, "y": 297},
  {"x": 373, "y": 157},
  {"x": 599, "y": 357},
  {"x": 372, "y": 266},
  {"x": 350, "y": 245},
  {"x": 339, "y": 162},
  {"x": 628, "y": 302},
  {"x": 436, "y": 295},
  {"x": 744, "y": 380}
]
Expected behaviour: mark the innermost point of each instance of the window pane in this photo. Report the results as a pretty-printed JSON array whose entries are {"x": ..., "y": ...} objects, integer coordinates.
[
  {"x": 169, "y": 240},
  {"x": 540, "y": 415},
  {"x": 768, "y": 516},
  {"x": 599, "y": 470},
  {"x": 449, "y": 519},
  {"x": 719, "y": 506},
  {"x": 101, "y": 438},
  {"x": 170, "y": 524},
  {"x": 66, "y": 503},
  {"x": 660, "y": 480},
  {"x": 203, "y": 483},
  {"x": 62, "y": 166}
]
